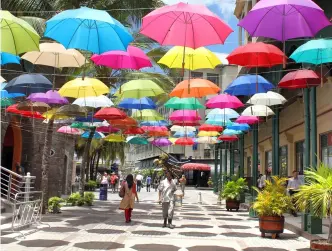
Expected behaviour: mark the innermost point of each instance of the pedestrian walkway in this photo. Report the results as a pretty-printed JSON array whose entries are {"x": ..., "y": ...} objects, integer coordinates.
[{"x": 199, "y": 227}]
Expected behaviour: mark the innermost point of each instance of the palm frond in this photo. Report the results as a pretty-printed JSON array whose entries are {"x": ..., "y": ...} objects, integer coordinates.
[{"x": 39, "y": 24}]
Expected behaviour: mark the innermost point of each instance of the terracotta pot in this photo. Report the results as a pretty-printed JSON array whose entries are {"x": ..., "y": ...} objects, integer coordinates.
[
  {"x": 271, "y": 224},
  {"x": 232, "y": 204},
  {"x": 320, "y": 245}
]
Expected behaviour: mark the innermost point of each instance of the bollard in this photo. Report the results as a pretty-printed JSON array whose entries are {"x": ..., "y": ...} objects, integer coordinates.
[
  {"x": 199, "y": 198},
  {"x": 27, "y": 187}
]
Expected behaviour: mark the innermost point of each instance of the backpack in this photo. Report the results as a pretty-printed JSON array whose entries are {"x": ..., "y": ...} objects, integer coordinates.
[{"x": 122, "y": 190}]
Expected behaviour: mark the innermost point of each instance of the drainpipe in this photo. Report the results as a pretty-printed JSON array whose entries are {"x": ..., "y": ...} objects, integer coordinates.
[{"x": 215, "y": 182}]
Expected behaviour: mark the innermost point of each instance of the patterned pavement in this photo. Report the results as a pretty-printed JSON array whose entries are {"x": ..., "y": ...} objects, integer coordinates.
[{"x": 199, "y": 227}]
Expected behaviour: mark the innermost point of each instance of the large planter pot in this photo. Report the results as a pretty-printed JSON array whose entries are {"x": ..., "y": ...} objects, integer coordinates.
[
  {"x": 320, "y": 245},
  {"x": 232, "y": 204},
  {"x": 272, "y": 225}
]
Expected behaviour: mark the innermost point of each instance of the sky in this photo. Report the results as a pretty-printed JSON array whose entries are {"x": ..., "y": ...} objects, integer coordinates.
[{"x": 224, "y": 9}]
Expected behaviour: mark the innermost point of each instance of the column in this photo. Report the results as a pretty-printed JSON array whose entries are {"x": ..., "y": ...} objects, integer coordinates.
[
  {"x": 220, "y": 166},
  {"x": 275, "y": 143},
  {"x": 241, "y": 150},
  {"x": 313, "y": 126},
  {"x": 231, "y": 159},
  {"x": 306, "y": 128},
  {"x": 254, "y": 154},
  {"x": 215, "y": 182},
  {"x": 240, "y": 35},
  {"x": 225, "y": 163}
]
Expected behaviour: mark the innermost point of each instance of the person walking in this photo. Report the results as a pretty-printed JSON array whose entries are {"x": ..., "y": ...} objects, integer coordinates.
[
  {"x": 113, "y": 181},
  {"x": 104, "y": 180},
  {"x": 183, "y": 182},
  {"x": 166, "y": 189},
  {"x": 130, "y": 193},
  {"x": 148, "y": 183},
  {"x": 139, "y": 179},
  {"x": 156, "y": 183},
  {"x": 264, "y": 178},
  {"x": 293, "y": 186}
]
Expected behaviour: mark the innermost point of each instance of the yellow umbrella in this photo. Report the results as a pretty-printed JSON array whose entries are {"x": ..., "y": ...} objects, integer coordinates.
[
  {"x": 173, "y": 140},
  {"x": 208, "y": 134},
  {"x": 201, "y": 58},
  {"x": 87, "y": 87},
  {"x": 147, "y": 115},
  {"x": 52, "y": 114},
  {"x": 115, "y": 138}
]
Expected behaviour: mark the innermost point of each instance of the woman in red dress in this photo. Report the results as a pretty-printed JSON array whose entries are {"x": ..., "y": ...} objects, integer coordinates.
[{"x": 128, "y": 201}]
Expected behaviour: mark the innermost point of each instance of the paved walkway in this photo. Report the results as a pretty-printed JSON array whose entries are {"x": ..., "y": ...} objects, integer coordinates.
[{"x": 199, "y": 227}]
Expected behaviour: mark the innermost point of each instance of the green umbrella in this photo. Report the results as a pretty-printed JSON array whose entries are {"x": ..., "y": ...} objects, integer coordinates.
[
  {"x": 139, "y": 88},
  {"x": 6, "y": 102},
  {"x": 79, "y": 125},
  {"x": 183, "y": 104},
  {"x": 137, "y": 140},
  {"x": 17, "y": 36},
  {"x": 147, "y": 115}
]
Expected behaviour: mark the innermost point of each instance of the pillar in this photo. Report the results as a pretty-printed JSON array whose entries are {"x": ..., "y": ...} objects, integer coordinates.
[
  {"x": 225, "y": 163},
  {"x": 220, "y": 166},
  {"x": 241, "y": 150},
  {"x": 254, "y": 154},
  {"x": 306, "y": 128},
  {"x": 215, "y": 182},
  {"x": 275, "y": 143},
  {"x": 231, "y": 159},
  {"x": 313, "y": 127}
]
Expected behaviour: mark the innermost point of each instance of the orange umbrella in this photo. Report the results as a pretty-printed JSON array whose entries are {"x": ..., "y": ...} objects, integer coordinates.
[
  {"x": 194, "y": 88},
  {"x": 123, "y": 123},
  {"x": 158, "y": 133}
]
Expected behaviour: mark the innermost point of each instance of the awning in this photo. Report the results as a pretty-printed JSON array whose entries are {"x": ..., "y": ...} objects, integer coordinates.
[{"x": 196, "y": 166}]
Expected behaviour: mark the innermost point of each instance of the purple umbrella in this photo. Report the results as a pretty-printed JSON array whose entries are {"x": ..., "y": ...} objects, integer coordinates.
[
  {"x": 161, "y": 142},
  {"x": 50, "y": 97}
]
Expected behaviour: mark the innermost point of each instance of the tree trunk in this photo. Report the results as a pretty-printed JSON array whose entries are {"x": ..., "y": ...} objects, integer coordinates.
[
  {"x": 329, "y": 237},
  {"x": 87, "y": 170},
  {"x": 46, "y": 162},
  {"x": 85, "y": 159},
  {"x": 97, "y": 165},
  {"x": 92, "y": 166}
]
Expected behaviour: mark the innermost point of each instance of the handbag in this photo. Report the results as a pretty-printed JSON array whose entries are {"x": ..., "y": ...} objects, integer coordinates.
[{"x": 122, "y": 191}]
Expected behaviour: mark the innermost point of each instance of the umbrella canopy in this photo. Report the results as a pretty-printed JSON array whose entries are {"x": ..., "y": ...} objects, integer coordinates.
[
  {"x": 50, "y": 97},
  {"x": 137, "y": 140},
  {"x": 207, "y": 140},
  {"x": 17, "y": 36},
  {"x": 183, "y": 104},
  {"x": 154, "y": 123},
  {"x": 248, "y": 85},
  {"x": 55, "y": 55},
  {"x": 281, "y": 19},
  {"x": 258, "y": 110},
  {"x": 210, "y": 128},
  {"x": 239, "y": 127},
  {"x": 110, "y": 113},
  {"x": 139, "y": 88},
  {"x": 224, "y": 101},
  {"x": 228, "y": 138},
  {"x": 185, "y": 115},
  {"x": 231, "y": 132},
  {"x": 184, "y": 134},
  {"x": 87, "y": 118},
  {"x": 155, "y": 128},
  {"x": 5, "y": 94},
  {"x": 186, "y": 123},
  {"x": 176, "y": 128},
  {"x": 115, "y": 138},
  {"x": 107, "y": 129},
  {"x": 88, "y": 29},
  {"x": 158, "y": 133},
  {"x": 7, "y": 58},
  {"x": 139, "y": 104},
  {"x": 28, "y": 83},
  {"x": 188, "y": 58},
  {"x": 2, "y": 80},
  {"x": 147, "y": 115},
  {"x": 218, "y": 122},
  {"x": 184, "y": 142},
  {"x": 71, "y": 110},
  {"x": 134, "y": 58},
  {"x": 161, "y": 142},
  {"x": 4, "y": 102},
  {"x": 269, "y": 99},
  {"x": 29, "y": 114},
  {"x": 134, "y": 130},
  {"x": 226, "y": 113},
  {"x": 195, "y": 166},
  {"x": 96, "y": 135},
  {"x": 250, "y": 120},
  {"x": 208, "y": 134},
  {"x": 123, "y": 123},
  {"x": 33, "y": 106},
  {"x": 69, "y": 130},
  {"x": 194, "y": 88},
  {"x": 99, "y": 101},
  {"x": 81, "y": 88},
  {"x": 183, "y": 24},
  {"x": 299, "y": 79},
  {"x": 257, "y": 55}
]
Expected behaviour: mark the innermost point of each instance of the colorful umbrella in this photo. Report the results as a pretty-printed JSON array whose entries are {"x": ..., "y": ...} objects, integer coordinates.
[
  {"x": 185, "y": 25},
  {"x": 208, "y": 134},
  {"x": 154, "y": 123},
  {"x": 69, "y": 130},
  {"x": 299, "y": 79},
  {"x": 226, "y": 113},
  {"x": 7, "y": 58},
  {"x": 184, "y": 142},
  {"x": 29, "y": 114},
  {"x": 134, "y": 131},
  {"x": 95, "y": 102},
  {"x": 147, "y": 115},
  {"x": 134, "y": 58},
  {"x": 87, "y": 118},
  {"x": 139, "y": 104},
  {"x": 210, "y": 128},
  {"x": 33, "y": 106},
  {"x": 158, "y": 133},
  {"x": 196, "y": 88},
  {"x": 186, "y": 123},
  {"x": 139, "y": 88},
  {"x": 161, "y": 142},
  {"x": 96, "y": 135},
  {"x": 185, "y": 115},
  {"x": 17, "y": 36},
  {"x": 4, "y": 94},
  {"x": 218, "y": 122},
  {"x": 2, "y": 80},
  {"x": 4, "y": 102},
  {"x": 195, "y": 166},
  {"x": 123, "y": 123},
  {"x": 71, "y": 111},
  {"x": 50, "y": 97},
  {"x": 239, "y": 127},
  {"x": 207, "y": 140},
  {"x": 155, "y": 128},
  {"x": 137, "y": 140},
  {"x": 268, "y": 99},
  {"x": 247, "y": 120},
  {"x": 231, "y": 132},
  {"x": 183, "y": 104},
  {"x": 258, "y": 110},
  {"x": 88, "y": 29},
  {"x": 184, "y": 134},
  {"x": 110, "y": 113},
  {"x": 115, "y": 138},
  {"x": 107, "y": 129},
  {"x": 176, "y": 128},
  {"x": 81, "y": 88},
  {"x": 224, "y": 101},
  {"x": 228, "y": 138},
  {"x": 248, "y": 85},
  {"x": 188, "y": 58}
]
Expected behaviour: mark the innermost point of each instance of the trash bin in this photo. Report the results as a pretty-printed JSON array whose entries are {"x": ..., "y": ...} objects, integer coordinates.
[{"x": 103, "y": 192}]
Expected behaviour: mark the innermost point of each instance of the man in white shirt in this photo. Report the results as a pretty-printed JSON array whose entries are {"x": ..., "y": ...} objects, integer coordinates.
[
  {"x": 166, "y": 189},
  {"x": 139, "y": 179},
  {"x": 293, "y": 185}
]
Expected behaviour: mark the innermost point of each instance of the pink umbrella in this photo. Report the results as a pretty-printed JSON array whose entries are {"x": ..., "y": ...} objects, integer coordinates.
[
  {"x": 50, "y": 97},
  {"x": 185, "y": 25},
  {"x": 69, "y": 130},
  {"x": 155, "y": 128},
  {"x": 107, "y": 129},
  {"x": 134, "y": 58},
  {"x": 185, "y": 115},
  {"x": 224, "y": 101},
  {"x": 247, "y": 120}
]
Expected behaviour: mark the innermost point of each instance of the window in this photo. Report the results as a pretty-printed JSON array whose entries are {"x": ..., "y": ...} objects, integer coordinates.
[
  {"x": 213, "y": 78},
  {"x": 195, "y": 74},
  {"x": 207, "y": 153},
  {"x": 299, "y": 156},
  {"x": 283, "y": 161},
  {"x": 326, "y": 148},
  {"x": 268, "y": 160}
]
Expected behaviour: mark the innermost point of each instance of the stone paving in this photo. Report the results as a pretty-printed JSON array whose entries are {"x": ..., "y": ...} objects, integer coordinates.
[{"x": 206, "y": 227}]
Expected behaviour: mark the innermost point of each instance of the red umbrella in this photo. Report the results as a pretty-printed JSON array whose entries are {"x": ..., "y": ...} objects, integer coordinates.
[
  {"x": 110, "y": 113},
  {"x": 210, "y": 128},
  {"x": 195, "y": 166},
  {"x": 29, "y": 114},
  {"x": 134, "y": 130},
  {"x": 186, "y": 123},
  {"x": 123, "y": 123},
  {"x": 257, "y": 55},
  {"x": 184, "y": 142},
  {"x": 228, "y": 138},
  {"x": 107, "y": 129},
  {"x": 158, "y": 133},
  {"x": 299, "y": 79}
]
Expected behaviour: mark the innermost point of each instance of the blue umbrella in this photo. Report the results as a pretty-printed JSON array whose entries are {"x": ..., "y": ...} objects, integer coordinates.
[
  {"x": 28, "y": 83},
  {"x": 88, "y": 118},
  {"x": 5, "y": 94},
  {"x": 231, "y": 132},
  {"x": 7, "y": 58},
  {"x": 154, "y": 123},
  {"x": 219, "y": 122},
  {"x": 184, "y": 134},
  {"x": 239, "y": 127},
  {"x": 88, "y": 29},
  {"x": 248, "y": 85},
  {"x": 96, "y": 135},
  {"x": 139, "y": 104},
  {"x": 226, "y": 113}
]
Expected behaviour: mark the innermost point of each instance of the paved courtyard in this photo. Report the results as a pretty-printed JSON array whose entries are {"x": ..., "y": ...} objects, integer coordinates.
[{"x": 206, "y": 227}]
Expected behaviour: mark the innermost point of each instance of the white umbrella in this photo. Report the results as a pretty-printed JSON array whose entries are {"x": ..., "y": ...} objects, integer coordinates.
[
  {"x": 207, "y": 140},
  {"x": 100, "y": 101},
  {"x": 226, "y": 113},
  {"x": 258, "y": 110},
  {"x": 269, "y": 99},
  {"x": 2, "y": 79},
  {"x": 55, "y": 55},
  {"x": 176, "y": 128}
]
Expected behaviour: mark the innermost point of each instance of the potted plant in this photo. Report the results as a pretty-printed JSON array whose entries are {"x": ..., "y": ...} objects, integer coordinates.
[
  {"x": 54, "y": 205},
  {"x": 270, "y": 205},
  {"x": 316, "y": 194},
  {"x": 232, "y": 192}
]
